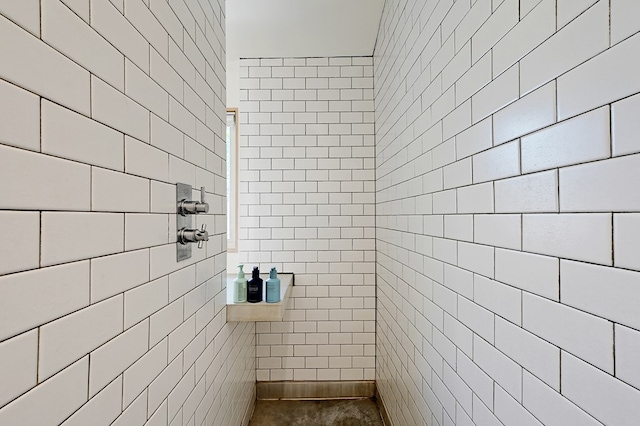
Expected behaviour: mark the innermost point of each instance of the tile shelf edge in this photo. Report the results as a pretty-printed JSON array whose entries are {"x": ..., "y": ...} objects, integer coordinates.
[{"x": 262, "y": 311}]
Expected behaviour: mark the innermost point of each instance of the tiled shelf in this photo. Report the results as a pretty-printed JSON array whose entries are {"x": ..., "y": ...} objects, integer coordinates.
[{"x": 261, "y": 311}]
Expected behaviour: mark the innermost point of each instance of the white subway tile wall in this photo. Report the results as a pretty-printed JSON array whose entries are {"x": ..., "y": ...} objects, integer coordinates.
[
  {"x": 307, "y": 205},
  {"x": 507, "y": 161},
  {"x": 105, "y": 106}
]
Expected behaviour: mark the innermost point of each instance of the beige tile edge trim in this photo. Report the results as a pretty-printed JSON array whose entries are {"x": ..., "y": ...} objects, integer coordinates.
[
  {"x": 383, "y": 411},
  {"x": 315, "y": 390},
  {"x": 250, "y": 409}
]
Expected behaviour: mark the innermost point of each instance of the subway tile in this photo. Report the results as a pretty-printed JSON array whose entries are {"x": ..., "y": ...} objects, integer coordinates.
[
  {"x": 577, "y": 332},
  {"x": 624, "y": 20},
  {"x": 21, "y": 111},
  {"x": 52, "y": 401},
  {"x": 111, "y": 275},
  {"x": 73, "y": 136},
  {"x": 109, "y": 22},
  {"x": 476, "y": 198},
  {"x": 475, "y": 139},
  {"x": 627, "y": 343},
  {"x": 457, "y": 121},
  {"x": 30, "y": 299},
  {"x": 20, "y": 365},
  {"x": 64, "y": 236},
  {"x": 529, "y": 113},
  {"x": 69, "y": 34},
  {"x": 165, "y": 321},
  {"x": 477, "y": 77},
  {"x": 69, "y": 338},
  {"x": 496, "y": 95},
  {"x": 142, "y": 89},
  {"x": 23, "y": 253},
  {"x": 102, "y": 409},
  {"x": 165, "y": 75},
  {"x": 31, "y": 64},
  {"x": 494, "y": 29},
  {"x": 568, "y": 10},
  {"x": 534, "y": 354},
  {"x": 498, "y": 230},
  {"x": 458, "y": 227},
  {"x": 160, "y": 417},
  {"x": 482, "y": 414},
  {"x": 607, "y": 292},
  {"x": 166, "y": 137},
  {"x": 581, "y": 139},
  {"x": 551, "y": 407},
  {"x": 54, "y": 184},
  {"x": 584, "y": 237},
  {"x": 144, "y": 160},
  {"x": 142, "y": 372},
  {"x": 497, "y": 163},
  {"x": 471, "y": 22},
  {"x": 119, "y": 4},
  {"x": 144, "y": 300},
  {"x": 24, "y": 13},
  {"x": 504, "y": 300},
  {"x": 118, "y": 111},
  {"x": 599, "y": 393},
  {"x": 476, "y": 258},
  {"x": 509, "y": 411},
  {"x": 527, "y": 6},
  {"x": 530, "y": 32},
  {"x": 475, "y": 378},
  {"x": 533, "y": 193},
  {"x": 533, "y": 273},
  {"x": 499, "y": 367},
  {"x": 626, "y": 235},
  {"x": 114, "y": 357},
  {"x": 479, "y": 320},
  {"x": 136, "y": 413},
  {"x": 181, "y": 336},
  {"x": 625, "y": 126},
  {"x": 108, "y": 195},
  {"x": 145, "y": 230},
  {"x": 561, "y": 53},
  {"x": 600, "y": 186},
  {"x": 160, "y": 388},
  {"x": 149, "y": 26},
  {"x": 181, "y": 118},
  {"x": 594, "y": 84}
]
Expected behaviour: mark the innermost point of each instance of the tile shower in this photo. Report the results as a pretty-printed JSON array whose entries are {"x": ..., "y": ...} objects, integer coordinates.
[{"x": 486, "y": 266}]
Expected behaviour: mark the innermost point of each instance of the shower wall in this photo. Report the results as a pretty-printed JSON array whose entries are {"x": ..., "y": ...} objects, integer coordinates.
[
  {"x": 104, "y": 106},
  {"x": 307, "y": 206},
  {"x": 508, "y": 225}
]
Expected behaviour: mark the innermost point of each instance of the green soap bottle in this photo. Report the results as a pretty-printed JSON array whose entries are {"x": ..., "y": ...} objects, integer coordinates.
[{"x": 240, "y": 287}]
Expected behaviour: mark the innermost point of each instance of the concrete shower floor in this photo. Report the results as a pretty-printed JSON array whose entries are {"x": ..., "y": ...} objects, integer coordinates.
[{"x": 358, "y": 412}]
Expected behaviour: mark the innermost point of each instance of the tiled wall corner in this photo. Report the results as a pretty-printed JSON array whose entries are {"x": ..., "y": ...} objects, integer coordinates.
[
  {"x": 104, "y": 106},
  {"x": 307, "y": 205},
  {"x": 507, "y": 162}
]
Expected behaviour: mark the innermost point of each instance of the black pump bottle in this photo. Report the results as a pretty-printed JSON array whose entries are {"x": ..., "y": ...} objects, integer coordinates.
[{"x": 254, "y": 287}]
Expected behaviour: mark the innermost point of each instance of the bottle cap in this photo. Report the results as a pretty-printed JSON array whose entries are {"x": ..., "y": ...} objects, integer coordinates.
[
  {"x": 273, "y": 273},
  {"x": 256, "y": 272},
  {"x": 240, "y": 271}
]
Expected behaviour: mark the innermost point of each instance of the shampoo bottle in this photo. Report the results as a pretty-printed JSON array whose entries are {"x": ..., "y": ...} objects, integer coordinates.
[
  {"x": 273, "y": 287},
  {"x": 254, "y": 288},
  {"x": 240, "y": 287}
]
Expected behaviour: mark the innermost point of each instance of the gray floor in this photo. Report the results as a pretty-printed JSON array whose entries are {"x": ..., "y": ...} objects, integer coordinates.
[{"x": 361, "y": 412}]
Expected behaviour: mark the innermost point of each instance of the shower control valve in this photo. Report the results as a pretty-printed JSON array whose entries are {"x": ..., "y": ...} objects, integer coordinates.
[
  {"x": 193, "y": 207},
  {"x": 193, "y": 235}
]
